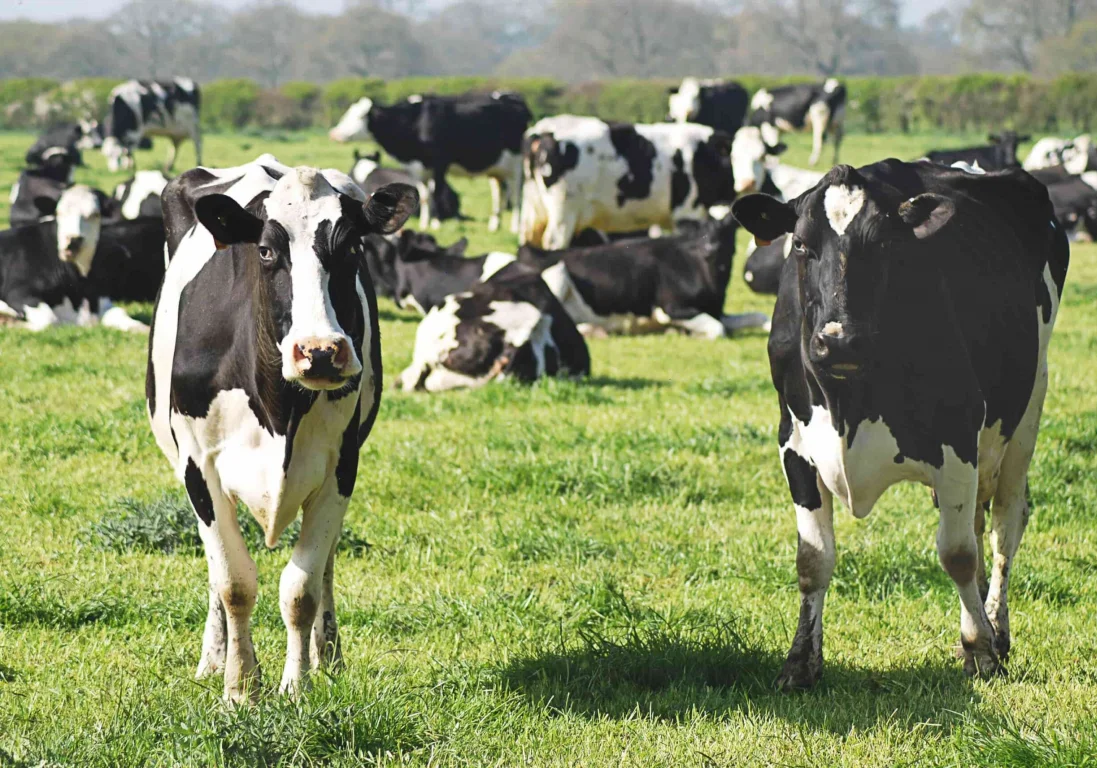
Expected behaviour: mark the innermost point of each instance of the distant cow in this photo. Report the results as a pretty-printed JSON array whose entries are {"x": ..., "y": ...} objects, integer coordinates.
[
  {"x": 370, "y": 175},
  {"x": 1001, "y": 153},
  {"x": 142, "y": 108},
  {"x": 910, "y": 342},
  {"x": 1077, "y": 155},
  {"x": 618, "y": 177},
  {"x": 508, "y": 327},
  {"x": 719, "y": 104},
  {"x": 818, "y": 107},
  {"x": 1075, "y": 202},
  {"x": 263, "y": 381},
  {"x": 474, "y": 134},
  {"x": 140, "y": 195},
  {"x": 765, "y": 263},
  {"x": 64, "y": 140},
  {"x": 648, "y": 285}
]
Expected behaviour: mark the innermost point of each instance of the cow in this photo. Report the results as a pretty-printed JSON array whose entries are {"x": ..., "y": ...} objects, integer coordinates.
[
  {"x": 765, "y": 263},
  {"x": 1000, "y": 153},
  {"x": 143, "y": 108},
  {"x": 1077, "y": 155},
  {"x": 48, "y": 177},
  {"x": 818, "y": 107},
  {"x": 617, "y": 177},
  {"x": 140, "y": 195},
  {"x": 909, "y": 342},
  {"x": 369, "y": 174},
  {"x": 1074, "y": 200},
  {"x": 509, "y": 326},
  {"x": 719, "y": 104},
  {"x": 263, "y": 381},
  {"x": 474, "y": 134},
  {"x": 64, "y": 141},
  {"x": 648, "y": 285}
]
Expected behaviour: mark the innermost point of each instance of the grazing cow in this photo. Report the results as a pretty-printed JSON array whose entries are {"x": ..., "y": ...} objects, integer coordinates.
[
  {"x": 1000, "y": 153},
  {"x": 474, "y": 134},
  {"x": 719, "y": 104},
  {"x": 369, "y": 174},
  {"x": 1077, "y": 155},
  {"x": 910, "y": 342},
  {"x": 648, "y": 285},
  {"x": 140, "y": 195},
  {"x": 142, "y": 108},
  {"x": 765, "y": 263},
  {"x": 617, "y": 177},
  {"x": 508, "y": 327},
  {"x": 264, "y": 379},
  {"x": 820, "y": 107}
]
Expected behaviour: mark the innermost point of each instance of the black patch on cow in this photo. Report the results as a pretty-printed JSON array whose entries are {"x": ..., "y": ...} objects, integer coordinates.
[
  {"x": 346, "y": 470},
  {"x": 639, "y": 154},
  {"x": 802, "y": 483},
  {"x": 712, "y": 171},
  {"x": 274, "y": 174},
  {"x": 198, "y": 492},
  {"x": 679, "y": 181},
  {"x": 376, "y": 374},
  {"x": 559, "y": 156}
]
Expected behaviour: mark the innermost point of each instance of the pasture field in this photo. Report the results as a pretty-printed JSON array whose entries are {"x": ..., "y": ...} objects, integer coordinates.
[{"x": 570, "y": 574}]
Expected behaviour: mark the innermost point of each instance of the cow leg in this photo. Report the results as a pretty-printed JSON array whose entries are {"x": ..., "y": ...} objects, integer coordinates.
[
  {"x": 515, "y": 188},
  {"x": 701, "y": 325},
  {"x": 818, "y": 132},
  {"x": 838, "y": 128},
  {"x": 560, "y": 230},
  {"x": 326, "y": 651},
  {"x": 119, "y": 319},
  {"x": 815, "y": 555},
  {"x": 956, "y": 489},
  {"x": 301, "y": 587},
  {"x": 197, "y": 139},
  {"x": 172, "y": 152},
  {"x": 215, "y": 637},
  {"x": 496, "y": 204},
  {"x": 233, "y": 577},
  {"x": 980, "y": 555}
]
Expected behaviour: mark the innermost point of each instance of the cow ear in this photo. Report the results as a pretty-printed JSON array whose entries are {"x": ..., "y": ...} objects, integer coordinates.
[
  {"x": 46, "y": 206},
  {"x": 227, "y": 221},
  {"x": 926, "y": 214},
  {"x": 389, "y": 207},
  {"x": 765, "y": 217},
  {"x": 777, "y": 149},
  {"x": 458, "y": 248}
]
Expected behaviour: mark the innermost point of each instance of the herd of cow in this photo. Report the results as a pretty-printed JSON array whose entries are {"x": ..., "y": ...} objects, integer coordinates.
[{"x": 915, "y": 303}]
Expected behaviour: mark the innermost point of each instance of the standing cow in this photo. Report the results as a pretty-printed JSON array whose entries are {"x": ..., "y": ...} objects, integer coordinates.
[
  {"x": 818, "y": 107},
  {"x": 719, "y": 104},
  {"x": 909, "y": 342},
  {"x": 141, "y": 108}
]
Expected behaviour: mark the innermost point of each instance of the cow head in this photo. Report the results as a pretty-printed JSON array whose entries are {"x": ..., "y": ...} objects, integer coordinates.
[
  {"x": 364, "y": 165},
  {"x": 748, "y": 158},
  {"x": 79, "y": 215},
  {"x": 305, "y": 239},
  {"x": 845, "y": 239},
  {"x": 119, "y": 157},
  {"x": 685, "y": 102},
  {"x": 354, "y": 124},
  {"x": 91, "y": 134},
  {"x": 57, "y": 163}
]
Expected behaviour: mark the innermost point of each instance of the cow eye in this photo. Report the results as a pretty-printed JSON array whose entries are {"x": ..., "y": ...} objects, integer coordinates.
[
  {"x": 798, "y": 245},
  {"x": 266, "y": 254}
]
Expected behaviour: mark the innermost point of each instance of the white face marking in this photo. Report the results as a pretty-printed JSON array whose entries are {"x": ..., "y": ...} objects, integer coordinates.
[
  {"x": 78, "y": 220},
  {"x": 748, "y": 154},
  {"x": 354, "y": 124},
  {"x": 830, "y": 86},
  {"x": 686, "y": 101},
  {"x": 842, "y": 204},
  {"x": 495, "y": 261},
  {"x": 763, "y": 99}
]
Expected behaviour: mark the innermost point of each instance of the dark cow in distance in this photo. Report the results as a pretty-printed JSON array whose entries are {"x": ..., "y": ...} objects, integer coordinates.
[
  {"x": 508, "y": 327},
  {"x": 719, "y": 104},
  {"x": 818, "y": 107},
  {"x": 909, "y": 343},
  {"x": 765, "y": 263},
  {"x": 1000, "y": 153},
  {"x": 370, "y": 175},
  {"x": 1074, "y": 200},
  {"x": 143, "y": 108},
  {"x": 1077, "y": 155},
  {"x": 63, "y": 140},
  {"x": 473, "y": 134}
]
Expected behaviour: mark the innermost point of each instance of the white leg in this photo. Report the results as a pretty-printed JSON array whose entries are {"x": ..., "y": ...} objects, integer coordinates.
[
  {"x": 215, "y": 638},
  {"x": 739, "y": 322},
  {"x": 496, "y": 204},
  {"x": 172, "y": 152},
  {"x": 700, "y": 325},
  {"x": 326, "y": 650},
  {"x": 197, "y": 139},
  {"x": 425, "y": 191},
  {"x": 117, "y": 318},
  {"x": 559, "y": 231},
  {"x": 818, "y": 128},
  {"x": 514, "y": 196}
]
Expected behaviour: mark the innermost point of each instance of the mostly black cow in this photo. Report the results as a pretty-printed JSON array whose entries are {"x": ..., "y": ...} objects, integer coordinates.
[
  {"x": 719, "y": 104},
  {"x": 909, "y": 342},
  {"x": 1074, "y": 200},
  {"x": 508, "y": 327},
  {"x": 818, "y": 107},
  {"x": 142, "y": 108},
  {"x": 1000, "y": 153},
  {"x": 765, "y": 263},
  {"x": 63, "y": 141},
  {"x": 473, "y": 134}
]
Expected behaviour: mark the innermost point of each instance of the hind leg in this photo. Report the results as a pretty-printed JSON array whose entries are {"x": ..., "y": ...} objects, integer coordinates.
[{"x": 496, "y": 204}]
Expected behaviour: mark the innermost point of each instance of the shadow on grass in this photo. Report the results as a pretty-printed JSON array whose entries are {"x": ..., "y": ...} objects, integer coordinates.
[
  {"x": 392, "y": 316},
  {"x": 626, "y": 383}
]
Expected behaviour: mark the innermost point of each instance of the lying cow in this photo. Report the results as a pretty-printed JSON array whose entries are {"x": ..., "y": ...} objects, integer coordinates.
[
  {"x": 818, "y": 107},
  {"x": 140, "y": 195},
  {"x": 143, "y": 108},
  {"x": 719, "y": 104},
  {"x": 1075, "y": 204},
  {"x": 765, "y": 263},
  {"x": 264, "y": 379},
  {"x": 509, "y": 326},
  {"x": 1077, "y": 155},
  {"x": 370, "y": 175},
  {"x": 910, "y": 342},
  {"x": 999, "y": 154},
  {"x": 648, "y": 285},
  {"x": 474, "y": 134},
  {"x": 59, "y": 141},
  {"x": 617, "y": 177}
]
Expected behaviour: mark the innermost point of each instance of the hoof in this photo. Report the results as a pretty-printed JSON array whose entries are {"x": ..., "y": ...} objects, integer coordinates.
[
  {"x": 983, "y": 664},
  {"x": 798, "y": 677}
]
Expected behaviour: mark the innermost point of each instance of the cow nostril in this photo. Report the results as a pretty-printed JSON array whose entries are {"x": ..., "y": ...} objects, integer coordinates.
[
  {"x": 819, "y": 346},
  {"x": 342, "y": 354}
]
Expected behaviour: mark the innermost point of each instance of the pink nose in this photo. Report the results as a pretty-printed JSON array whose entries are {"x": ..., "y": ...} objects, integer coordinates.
[{"x": 316, "y": 358}]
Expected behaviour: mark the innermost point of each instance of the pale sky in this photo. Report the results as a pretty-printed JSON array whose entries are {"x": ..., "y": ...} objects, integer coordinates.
[{"x": 56, "y": 10}]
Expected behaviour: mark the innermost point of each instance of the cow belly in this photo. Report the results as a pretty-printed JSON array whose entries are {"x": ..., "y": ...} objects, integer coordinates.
[{"x": 587, "y": 319}]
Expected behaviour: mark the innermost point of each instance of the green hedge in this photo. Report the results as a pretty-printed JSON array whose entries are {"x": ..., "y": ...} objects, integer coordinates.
[{"x": 956, "y": 103}]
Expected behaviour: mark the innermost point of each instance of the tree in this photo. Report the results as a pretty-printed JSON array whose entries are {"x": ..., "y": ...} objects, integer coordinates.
[
  {"x": 1076, "y": 52},
  {"x": 1008, "y": 32}
]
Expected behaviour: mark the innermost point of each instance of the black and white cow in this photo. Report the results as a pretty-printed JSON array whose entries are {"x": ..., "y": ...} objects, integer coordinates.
[
  {"x": 64, "y": 141},
  {"x": 1077, "y": 155},
  {"x": 818, "y": 107},
  {"x": 140, "y": 195},
  {"x": 1075, "y": 202},
  {"x": 719, "y": 104},
  {"x": 264, "y": 379},
  {"x": 909, "y": 342},
  {"x": 1000, "y": 153},
  {"x": 370, "y": 175},
  {"x": 143, "y": 108},
  {"x": 618, "y": 177},
  {"x": 648, "y": 285},
  {"x": 765, "y": 263},
  {"x": 474, "y": 134},
  {"x": 509, "y": 326}
]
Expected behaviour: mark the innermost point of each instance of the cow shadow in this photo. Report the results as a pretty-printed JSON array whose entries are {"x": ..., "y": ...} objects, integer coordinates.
[
  {"x": 631, "y": 383},
  {"x": 668, "y": 680}
]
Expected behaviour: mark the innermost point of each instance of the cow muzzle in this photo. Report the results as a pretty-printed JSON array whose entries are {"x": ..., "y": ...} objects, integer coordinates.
[
  {"x": 72, "y": 248},
  {"x": 836, "y": 353},
  {"x": 324, "y": 363}
]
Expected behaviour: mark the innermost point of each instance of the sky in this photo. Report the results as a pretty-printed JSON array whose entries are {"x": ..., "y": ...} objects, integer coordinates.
[{"x": 57, "y": 10}]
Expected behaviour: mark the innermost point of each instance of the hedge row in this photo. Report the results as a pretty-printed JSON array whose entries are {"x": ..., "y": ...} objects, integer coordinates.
[{"x": 955, "y": 103}]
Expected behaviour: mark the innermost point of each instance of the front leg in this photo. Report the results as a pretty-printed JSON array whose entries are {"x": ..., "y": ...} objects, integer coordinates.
[
  {"x": 815, "y": 557},
  {"x": 496, "y": 204},
  {"x": 326, "y": 651}
]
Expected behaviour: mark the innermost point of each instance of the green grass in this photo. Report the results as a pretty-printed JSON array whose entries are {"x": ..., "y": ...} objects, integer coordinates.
[{"x": 572, "y": 574}]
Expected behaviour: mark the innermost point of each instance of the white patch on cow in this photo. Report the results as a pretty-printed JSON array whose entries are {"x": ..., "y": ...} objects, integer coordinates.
[
  {"x": 415, "y": 98},
  {"x": 354, "y": 124},
  {"x": 842, "y": 204},
  {"x": 144, "y": 184},
  {"x": 6, "y": 310},
  {"x": 495, "y": 261},
  {"x": 719, "y": 212},
  {"x": 966, "y": 167},
  {"x": 787, "y": 248},
  {"x": 818, "y": 118},
  {"x": 78, "y": 220},
  {"x": 770, "y": 133},
  {"x": 792, "y": 182},
  {"x": 519, "y": 320},
  {"x": 762, "y": 99},
  {"x": 1089, "y": 178},
  {"x": 14, "y": 193},
  {"x": 185, "y": 83},
  {"x": 831, "y": 85},
  {"x": 832, "y": 329},
  {"x": 118, "y": 319},
  {"x": 363, "y": 167},
  {"x": 748, "y": 158},
  {"x": 686, "y": 101},
  {"x": 413, "y": 303}
]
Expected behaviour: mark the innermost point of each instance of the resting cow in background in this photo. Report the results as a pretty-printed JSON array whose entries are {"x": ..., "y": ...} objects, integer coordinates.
[
  {"x": 370, "y": 175},
  {"x": 140, "y": 195},
  {"x": 999, "y": 154},
  {"x": 508, "y": 327},
  {"x": 819, "y": 107},
  {"x": 765, "y": 263},
  {"x": 1077, "y": 155},
  {"x": 264, "y": 380},
  {"x": 474, "y": 134},
  {"x": 719, "y": 104},
  {"x": 909, "y": 342},
  {"x": 143, "y": 108}
]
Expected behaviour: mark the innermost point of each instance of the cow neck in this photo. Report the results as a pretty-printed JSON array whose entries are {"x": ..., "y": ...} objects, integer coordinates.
[{"x": 387, "y": 131}]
